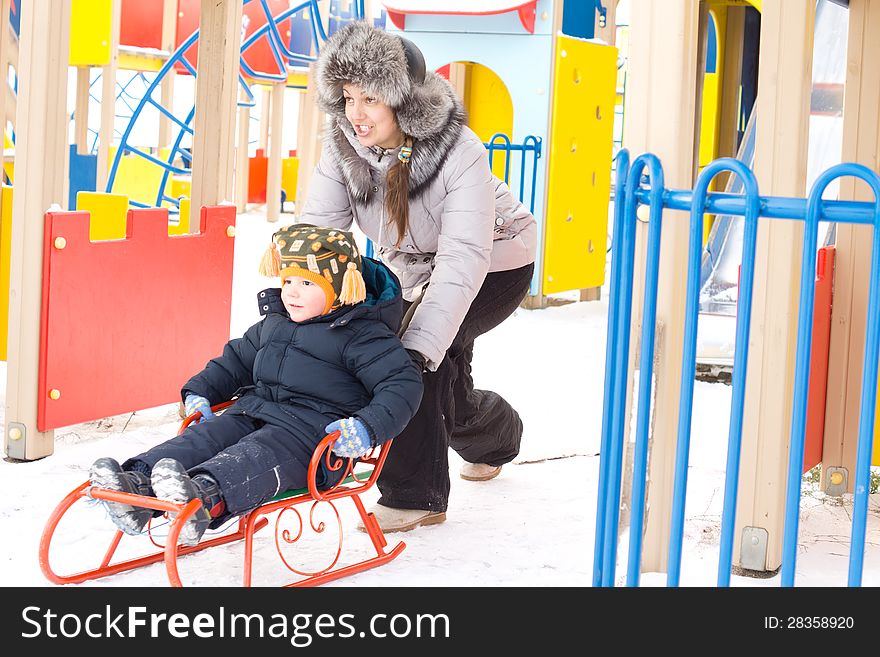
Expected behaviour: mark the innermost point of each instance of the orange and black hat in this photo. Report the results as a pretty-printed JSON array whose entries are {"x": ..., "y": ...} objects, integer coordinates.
[{"x": 326, "y": 256}]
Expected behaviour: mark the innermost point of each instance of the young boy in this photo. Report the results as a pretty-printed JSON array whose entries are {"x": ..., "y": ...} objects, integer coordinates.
[{"x": 325, "y": 357}]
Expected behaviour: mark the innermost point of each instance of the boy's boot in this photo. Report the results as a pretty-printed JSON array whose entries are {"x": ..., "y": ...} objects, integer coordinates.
[
  {"x": 107, "y": 473},
  {"x": 172, "y": 484}
]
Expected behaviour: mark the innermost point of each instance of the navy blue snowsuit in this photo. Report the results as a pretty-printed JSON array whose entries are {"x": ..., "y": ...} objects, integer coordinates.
[{"x": 292, "y": 379}]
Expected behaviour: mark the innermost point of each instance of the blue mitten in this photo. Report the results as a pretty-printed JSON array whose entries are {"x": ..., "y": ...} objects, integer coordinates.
[
  {"x": 194, "y": 403},
  {"x": 354, "y": 438}
]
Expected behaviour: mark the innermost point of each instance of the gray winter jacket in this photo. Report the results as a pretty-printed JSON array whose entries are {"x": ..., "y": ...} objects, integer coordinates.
[{"x": 463, "y": 221}]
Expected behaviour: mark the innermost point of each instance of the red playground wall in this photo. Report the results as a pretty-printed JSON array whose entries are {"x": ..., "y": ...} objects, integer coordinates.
[{"x": 126, "y": 323}]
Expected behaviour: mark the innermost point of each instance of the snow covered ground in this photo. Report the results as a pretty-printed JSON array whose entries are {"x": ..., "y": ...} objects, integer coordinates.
[{"x": 531, "y": 526}]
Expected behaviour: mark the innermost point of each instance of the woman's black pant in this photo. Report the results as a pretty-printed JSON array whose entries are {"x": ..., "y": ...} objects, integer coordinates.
[{"x": 478, "y": 424}]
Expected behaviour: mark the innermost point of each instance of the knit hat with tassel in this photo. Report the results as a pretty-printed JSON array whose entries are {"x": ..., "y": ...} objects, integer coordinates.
[{"x": 326, "y": 256}]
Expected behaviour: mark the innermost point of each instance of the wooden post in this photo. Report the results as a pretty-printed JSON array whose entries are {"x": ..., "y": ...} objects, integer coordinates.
[
  {"x": 40, "y": 156},
  {"x": 273, "y": 175},
  {"x": 661, "y": 119},
  {"x": 608, "y": 31},
  {"x": 81, "y": 112},
  {"x": 310, "y": 127},
  {"x": 458, "y": 74},
  {"x": 108, "y": 100},
  {"x": 242, "y": 160},
  {"x": 216, "y": 94},
  {"x": 265, "y": 116},
  {"x": 166, "y": 87},
  {"x": 861, "y": 141},
  {"x": 783, "y": 110}
]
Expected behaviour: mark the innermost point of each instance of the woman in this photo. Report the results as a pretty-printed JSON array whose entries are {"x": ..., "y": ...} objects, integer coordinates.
[{"x": 399, "y": 161}]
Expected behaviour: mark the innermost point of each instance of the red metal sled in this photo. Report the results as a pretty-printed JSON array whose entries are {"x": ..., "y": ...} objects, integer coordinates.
[{"x": 351, "y": 486}]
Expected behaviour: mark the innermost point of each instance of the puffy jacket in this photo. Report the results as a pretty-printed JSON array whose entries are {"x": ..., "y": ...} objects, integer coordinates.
[
  {"x": 305, "y": 375},
  {"x": 463, "y": 221}
]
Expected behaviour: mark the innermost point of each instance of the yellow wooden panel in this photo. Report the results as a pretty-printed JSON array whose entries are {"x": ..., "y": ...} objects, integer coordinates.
[
  {"x": 182, "y": 227},
  {"x": 137, "y": 178},
  {"x": 108, "y": 214},
  {"x": 489, "y": 108},
  {"x": 5, "y": 255},
  {"x": 181, "y": 185},
  {"x": 579, "y": 165},
  {"x": 9, "y": 158},
  {"x": 289, "y": 170},
  {"x": 90, "y": 26},
  {"x": 136, "y": 60}
]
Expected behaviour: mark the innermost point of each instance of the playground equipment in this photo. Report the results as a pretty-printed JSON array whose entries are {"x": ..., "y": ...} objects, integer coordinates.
[
  {"x": 283, "y": 507},
  {"x": 752, "y": 207},
  {"x": 523, "y": 76}
]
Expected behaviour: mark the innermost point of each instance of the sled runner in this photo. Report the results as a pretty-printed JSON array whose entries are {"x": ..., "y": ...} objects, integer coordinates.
[{"x": 165, "y": 547}]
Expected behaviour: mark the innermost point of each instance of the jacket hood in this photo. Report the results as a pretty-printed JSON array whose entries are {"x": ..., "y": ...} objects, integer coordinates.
[
  {"x": 384, "y": 301},
  {"x": 428, "y": 110}
]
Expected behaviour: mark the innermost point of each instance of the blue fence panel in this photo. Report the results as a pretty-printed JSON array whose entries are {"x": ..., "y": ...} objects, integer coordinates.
[{"x": 642, "y": 183}]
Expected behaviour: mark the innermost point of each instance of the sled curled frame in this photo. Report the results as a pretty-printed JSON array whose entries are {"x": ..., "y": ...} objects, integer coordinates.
[{"x": 351, "y": 485}]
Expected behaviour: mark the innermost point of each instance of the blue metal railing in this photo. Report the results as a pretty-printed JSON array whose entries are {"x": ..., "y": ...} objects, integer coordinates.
[
  {"x": 633, "y": 188},
  {"x": 531, "y": 144}
]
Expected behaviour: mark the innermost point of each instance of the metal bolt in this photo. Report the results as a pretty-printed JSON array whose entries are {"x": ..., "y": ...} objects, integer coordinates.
[
  {"x": 54, "y": 393},
  {"x": 230, "y": 231},
  {"x": 60, "y": 243},
  {"x": 15, "y": 434},
  {"x": 837, "y": 478}
]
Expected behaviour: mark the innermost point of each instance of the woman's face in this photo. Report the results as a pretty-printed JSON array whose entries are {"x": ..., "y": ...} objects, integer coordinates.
[{"x": 373, "y": 121}]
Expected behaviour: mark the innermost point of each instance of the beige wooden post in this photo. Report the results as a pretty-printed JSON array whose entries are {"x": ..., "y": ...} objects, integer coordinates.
[
  {"x": 608, "y": 31},
  {"x": 216, "y": 94},
  {"x": 783, "y": 108},
  {"x": 39, "y": 166},
  {"x": 166, "y": 87},
  {"x": 242, "y": 160},
  {"x": 273, "y": 175},
  {"x": 458, "y": 74},
  {"x": 6, "y": 39},
  {"x": 108, "y": 100},
  {"x": 661, "y": 119},
  {"x": 310, "y": 128},
  {"x": 861, "y": 141},
  {"x": 81, "y": 111},
  {"x": 265, "y": 116}
]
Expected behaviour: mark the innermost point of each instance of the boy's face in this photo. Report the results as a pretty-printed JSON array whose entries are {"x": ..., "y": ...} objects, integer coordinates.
[{"x": 302, "y": 298}]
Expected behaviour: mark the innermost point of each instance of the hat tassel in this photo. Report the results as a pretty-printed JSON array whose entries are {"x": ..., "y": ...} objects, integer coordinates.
[
  {"x": 270, "y": 263},
  {"x": 354, "y": 290}
]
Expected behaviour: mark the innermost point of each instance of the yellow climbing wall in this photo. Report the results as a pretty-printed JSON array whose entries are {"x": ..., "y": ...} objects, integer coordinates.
[
  {"x": 579, "y": 165},
  {"x": 5, "y": 254},
  {"x": 489, "y": 108}
]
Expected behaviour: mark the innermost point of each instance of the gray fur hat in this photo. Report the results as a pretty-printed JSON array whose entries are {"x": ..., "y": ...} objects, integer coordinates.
[{"x": 389, "y": 66}]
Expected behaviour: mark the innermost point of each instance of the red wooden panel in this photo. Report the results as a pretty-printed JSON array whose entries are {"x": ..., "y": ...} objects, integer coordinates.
[
  {"x": 258, "y": 170},
  {"x": 141, "y": 24},
  {"x": 815, "y": 431},
  {"x": 125, "y": 323},
  {"x": 259, "y": 55}
]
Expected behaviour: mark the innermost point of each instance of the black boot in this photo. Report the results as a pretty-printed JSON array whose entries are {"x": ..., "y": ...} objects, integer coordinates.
[
  {"x": 107, "y": 473},
  {"x": 172, "y": 484}
]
